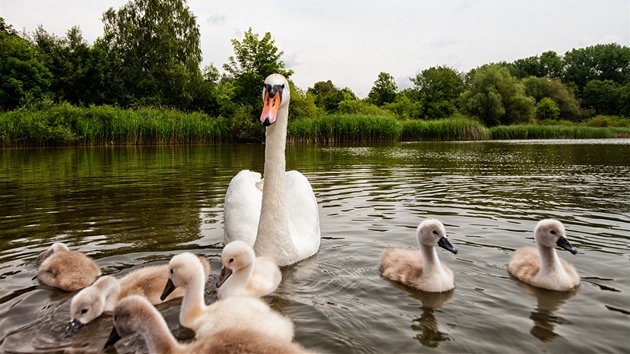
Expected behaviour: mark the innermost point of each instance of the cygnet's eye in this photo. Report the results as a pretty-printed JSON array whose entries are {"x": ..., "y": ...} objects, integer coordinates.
[
  {"x": 553, "y": 232},
  {"x": 435, "y": 232},
  {"x": 171, "y": 271},
  {"x": 84, "y": 311},
  {"x": 231, "y": 260}
]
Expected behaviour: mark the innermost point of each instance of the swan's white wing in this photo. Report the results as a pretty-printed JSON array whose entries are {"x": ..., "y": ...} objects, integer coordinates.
[
  {"x": 241, "y": 211},
  {"x": 303, "y": 214}
]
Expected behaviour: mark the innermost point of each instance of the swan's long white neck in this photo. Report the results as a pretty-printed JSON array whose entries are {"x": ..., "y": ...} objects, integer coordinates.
[{"x": 273, "y": 228}]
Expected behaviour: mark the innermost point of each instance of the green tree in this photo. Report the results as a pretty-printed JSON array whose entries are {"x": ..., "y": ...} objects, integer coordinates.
[
  {"x": 546, "y": 108},
  {"x": 599, "y": 62},
  {"x": 79, "y": 71},
  {"x": 384, "y": 89},
  {"x": 254, "y": 59},
  {"x": 549, "y": 64},
  {"x": 496, "y": 97},
  {"x": 328, "y": 97},
  {"x": 23, "y": 76},
  {"x": 438, "y": 90},
  {"x": 604, "y": 96},
  {"x": 561, "y": 94},
  {"x": 154, "y": 47}
]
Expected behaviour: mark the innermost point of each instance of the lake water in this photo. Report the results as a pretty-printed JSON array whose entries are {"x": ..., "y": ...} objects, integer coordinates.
[{"x": 131, "y": 206}]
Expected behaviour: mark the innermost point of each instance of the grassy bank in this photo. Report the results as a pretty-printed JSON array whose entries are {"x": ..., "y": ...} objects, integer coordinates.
[{"x": 64, "y": 124}]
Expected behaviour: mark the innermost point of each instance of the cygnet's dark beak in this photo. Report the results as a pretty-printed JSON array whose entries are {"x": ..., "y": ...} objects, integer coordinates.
[
  {"x": 73, "y": 327},
  {"x": 113, "y": 338},
  {"x": 168, "y": 289},
  {"x": 223, "y": 276},
  {"x": 564, "y": 243},
  {"x": 444, "y": 243}
]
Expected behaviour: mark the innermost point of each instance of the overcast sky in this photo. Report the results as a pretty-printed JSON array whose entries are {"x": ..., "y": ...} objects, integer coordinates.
[{"x": 351, "y": 42}]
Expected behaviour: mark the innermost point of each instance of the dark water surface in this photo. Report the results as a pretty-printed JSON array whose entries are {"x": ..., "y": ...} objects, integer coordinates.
[{"x": 131, "y": 206}]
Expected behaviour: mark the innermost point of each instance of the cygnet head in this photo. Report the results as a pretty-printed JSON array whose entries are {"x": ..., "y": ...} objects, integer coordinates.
[
  {"x": 89, "y": 303},
  {"x": 550, "y": 233},
  {"x": 55, "y": 247},
  {"x": 236, "y": 255},
  {"x": 432, "y": 233},
  {"x": 182, "y": 268},
  {"x": 276, "y": 94},
  {"x": 130, "y": 314}
]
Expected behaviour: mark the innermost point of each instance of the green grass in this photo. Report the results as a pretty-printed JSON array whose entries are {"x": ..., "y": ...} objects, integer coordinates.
[
  {"x": 554, "y": 132},
  {"x": 456, "y": 129},
  {"x": 345, "y": 128}
]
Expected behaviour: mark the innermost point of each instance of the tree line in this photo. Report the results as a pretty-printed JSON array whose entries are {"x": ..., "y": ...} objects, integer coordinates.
[{"x": 150, "y": 56}]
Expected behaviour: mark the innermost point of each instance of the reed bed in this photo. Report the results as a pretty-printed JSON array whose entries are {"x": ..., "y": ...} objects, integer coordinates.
[
  {"x": 345, "y": 128},
  {"x": 453, "y": 129},
  {"x": 104, "y": 125},
  {"x": 554, "y": 132}
]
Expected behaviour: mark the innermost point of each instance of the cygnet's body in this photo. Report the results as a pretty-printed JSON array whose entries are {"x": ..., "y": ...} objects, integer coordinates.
[
  {"x": 135, "y": 314},
  {"x": 103, "y": 295},
  {"x": 244, "y": 274},
  {"x": 541, "y": 266},
  {"x": 66, "y": 270},
  {"x": 236, "y": 312},
  {"x": 421, "y": 269}
]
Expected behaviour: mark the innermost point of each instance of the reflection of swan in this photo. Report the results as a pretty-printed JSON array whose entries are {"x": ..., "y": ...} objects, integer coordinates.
[
  {"x": 134, "y": 314},
  {"x": 245, "y": 274},
  {"x": 234, "y": 312},
  {"x": 542, "y": 267},
  {"x": 421, "y": 269},
  {"x": 103, "y": 295},
  {"x": 548, "y": 302},
  {"x": 428, "y": 326},
  {"x": 66, "y": 270},
  {"x": 278, "y": 216}
]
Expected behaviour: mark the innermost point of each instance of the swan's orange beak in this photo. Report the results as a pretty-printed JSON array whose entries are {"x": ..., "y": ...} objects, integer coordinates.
[{"x": 270, "y": 109}]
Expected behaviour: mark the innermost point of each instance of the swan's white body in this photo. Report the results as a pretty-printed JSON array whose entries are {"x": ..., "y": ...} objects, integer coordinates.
[
  {"x": 237, "y": 312},
  {"x": 279, "y": 216},
  {"x": 134, "y": 314},
  {"x": 541, "y": 266},
  {"x": 244, "y": 274},
  {"x": 421, "y": 269},
  {"x": 64, "y": 269}
]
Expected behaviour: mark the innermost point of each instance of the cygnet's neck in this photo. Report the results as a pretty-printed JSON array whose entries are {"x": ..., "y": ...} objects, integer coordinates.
[
  {"x": 273, "y": 228},
  {"x": 193, "y": 302},
  {"x": 109, "y": 288},
  {"x": 158, "y": 336},
  {"x": 549, "y": 261},
  {"x": 237, "y": 282},
  {"x": 430, "y": 260}
]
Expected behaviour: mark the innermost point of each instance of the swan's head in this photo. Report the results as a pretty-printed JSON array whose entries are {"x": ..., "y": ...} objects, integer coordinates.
[
  {"x": 236, "y": 255},
  {"x": 181, "y": 270},
  {"x": 89, "y": 303},
  {"x": 130, "y": 315},
  {"x": 551, "y": 233},
  {"x": 431, "y": 232},
  {"x": 276, "y": 94}
]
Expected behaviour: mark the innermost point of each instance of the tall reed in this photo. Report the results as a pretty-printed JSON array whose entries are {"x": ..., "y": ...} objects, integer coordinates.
[
  {"x": 553, "y": 132},
  {"x": 453, "y": 129},
  {"x": 345, "y": 128}
]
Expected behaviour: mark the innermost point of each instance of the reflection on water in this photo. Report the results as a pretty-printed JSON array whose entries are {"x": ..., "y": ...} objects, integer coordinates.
[
  {"x": 127, "y": 207},
  {"x": 548, "y": 302}
]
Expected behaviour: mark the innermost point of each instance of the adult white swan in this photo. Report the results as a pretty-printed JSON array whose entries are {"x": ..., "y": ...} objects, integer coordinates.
[{"x": 278, "y": 216}]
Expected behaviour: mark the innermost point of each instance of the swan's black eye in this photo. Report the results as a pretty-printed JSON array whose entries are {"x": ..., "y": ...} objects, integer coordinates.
[
  {"x": 435, "y": 232},
  {"x": 231, "y": 260},
  {"x": 84, "y": 311},
  {"x": 553, "y": 232},
  {"x": 171, "y": 271}
]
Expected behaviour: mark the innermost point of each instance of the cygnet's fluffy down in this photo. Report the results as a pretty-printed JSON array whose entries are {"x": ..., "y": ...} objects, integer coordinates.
[
  {"x": 541, "y": 266},
  {"x": 421, "y": 269},
  {"x": 134, "y": 314},
  {"x": 244, "y": 274},
  {"x": 67, "y": 270},
  {"x": 103, "y": 295},
  {"x": 235, "y": 312}
]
